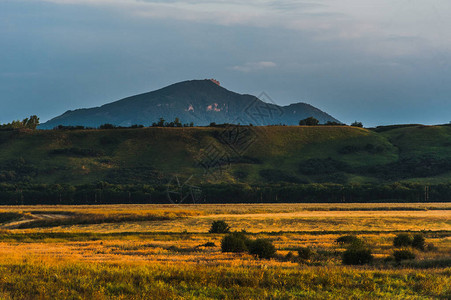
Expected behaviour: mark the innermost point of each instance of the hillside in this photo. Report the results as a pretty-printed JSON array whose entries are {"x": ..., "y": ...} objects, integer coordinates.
[
  {"x": 295, "y": 154},
  {"x": 198, "y": 101}
]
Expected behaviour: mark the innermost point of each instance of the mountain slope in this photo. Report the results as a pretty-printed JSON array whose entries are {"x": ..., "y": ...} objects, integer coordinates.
[{"x": 197, "y": 101}]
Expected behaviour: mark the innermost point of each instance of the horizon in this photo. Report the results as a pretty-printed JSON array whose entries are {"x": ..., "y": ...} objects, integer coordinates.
[{"x": 218, "y": 83}]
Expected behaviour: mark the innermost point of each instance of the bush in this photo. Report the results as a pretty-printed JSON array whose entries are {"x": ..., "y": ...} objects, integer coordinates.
[
  {"x": 305, "y": 253},
  {"x": 357, "y": 255},
  {"x": 431, "y": 247},
  {"x": 419, "y": 242},
  {"x": 274, "y": 175},
  {"x": 333, "y": 123},
  {"x": 219, "y": 227},
  {"x": 321, "y": 166},
  {"x": 262, "y": 248},
  {"x": 400, "y": 255},
  {"x": 289, "y": 256},
  {"x": 78, "y": 152},
  {"x": 107, "y": 126},
  {"x": 235, "y": 242},
  {"x": 310, "y": 121},
  {"x": 402, "y": 240},
  {"x": 348, "y": 240}
]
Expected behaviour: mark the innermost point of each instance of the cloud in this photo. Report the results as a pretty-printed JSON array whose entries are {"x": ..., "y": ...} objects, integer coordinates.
[
  {"x": 347, "y": 20},
  {"x": 254, "y": 66},
  {"x": 256, "y": 13}
]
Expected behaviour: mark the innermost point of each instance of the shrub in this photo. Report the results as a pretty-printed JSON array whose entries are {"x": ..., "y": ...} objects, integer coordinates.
[
  {"x": 325, "y": 254},
  {"x": 400, "y": 255},
  {"x": 305, "y": 253},
  {"x": 262, "y": 248},
  {"x": 333, "y": 123},
  {"x": 107, "y": 126},
  {"x": 219, "y": 227},
  {"x": 289, "y": 256},
  {"x": 418, "y": 242},
  {"x": 402, "y": 240},
  {"x": 357, "y": 255},
  {"x": 321, "y": 166},
  {"x": 274, "y": 175},
  {"x": 78, "y": 152},
  {"x": 348, "y": 240},
  {"x": 431, "y": 247},
  {"x": 9, "y": 216},
  {"x": 234, "y": 242},
  {"x": 310, "y": 121}
]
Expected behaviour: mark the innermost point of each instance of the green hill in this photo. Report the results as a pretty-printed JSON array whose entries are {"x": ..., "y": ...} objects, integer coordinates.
[
  {"x": 228, "y": 164},
  {"x": 338, "y": 154}
]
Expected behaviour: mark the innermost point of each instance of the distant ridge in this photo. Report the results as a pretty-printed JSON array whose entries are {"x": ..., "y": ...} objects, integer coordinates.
[{"x": 199, "y": 101}]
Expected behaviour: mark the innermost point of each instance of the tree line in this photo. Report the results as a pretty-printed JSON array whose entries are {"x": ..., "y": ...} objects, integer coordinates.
[
  {"x": 105, "y": 193},
  {"x": 311, "y": 121},
  {"x": 33, "y": 121},
  {"x": 28, "y": 123}
]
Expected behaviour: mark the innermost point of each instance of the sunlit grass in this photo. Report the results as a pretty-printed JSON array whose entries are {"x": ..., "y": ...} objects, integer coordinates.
[
  {"x": 121, "y": 254},
  {"x": 62, "y": 280}
]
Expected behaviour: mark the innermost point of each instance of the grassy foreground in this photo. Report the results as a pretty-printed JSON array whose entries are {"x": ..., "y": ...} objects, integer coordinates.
[
  {"x": 75, "y": 280},
  {"x": 170, "y": 254}
]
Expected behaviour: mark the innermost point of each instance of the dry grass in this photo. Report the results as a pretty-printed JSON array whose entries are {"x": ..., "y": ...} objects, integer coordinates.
[
  {"x": 253, "y": 218},
  {"x": 175, "y": 239},
  {"x": 44, "y": 217}
]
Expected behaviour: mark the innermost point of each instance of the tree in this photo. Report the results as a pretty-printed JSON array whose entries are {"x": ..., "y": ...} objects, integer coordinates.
[
  {"x": 357, "y": 124},
  {"x": 107, "y": 126},
  {"x": 333, "y": 123},
  {"x": 31, "y": 122},
  {"x": 177, "y": 122},
  {"x": 160, "y": 123},
  {"x": 310, "y": 121}
]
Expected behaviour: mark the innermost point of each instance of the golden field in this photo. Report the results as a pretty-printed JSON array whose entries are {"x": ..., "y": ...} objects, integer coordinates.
[{"x": 161, "y": 252}]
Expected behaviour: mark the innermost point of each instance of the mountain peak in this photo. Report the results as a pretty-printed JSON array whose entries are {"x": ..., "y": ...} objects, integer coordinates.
[{"x": 199, "y": 101}]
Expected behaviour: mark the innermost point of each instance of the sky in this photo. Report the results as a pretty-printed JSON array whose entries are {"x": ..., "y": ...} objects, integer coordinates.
[{"x": 379, "y": 62}]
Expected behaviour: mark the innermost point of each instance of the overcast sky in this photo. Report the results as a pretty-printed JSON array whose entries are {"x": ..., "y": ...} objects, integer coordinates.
[{"x": 379, "y": 62}]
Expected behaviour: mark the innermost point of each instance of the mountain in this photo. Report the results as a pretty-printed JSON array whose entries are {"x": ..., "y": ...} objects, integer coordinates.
[{"x": 199, "y": 101}]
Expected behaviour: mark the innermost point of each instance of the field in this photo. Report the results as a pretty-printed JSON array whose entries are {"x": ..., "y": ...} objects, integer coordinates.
[{"x": 166, "y": 252}]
